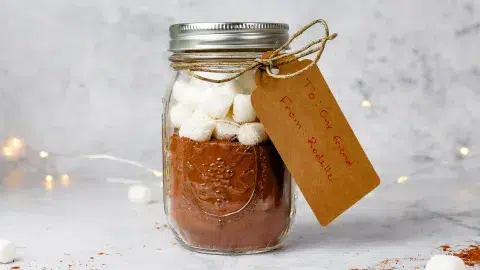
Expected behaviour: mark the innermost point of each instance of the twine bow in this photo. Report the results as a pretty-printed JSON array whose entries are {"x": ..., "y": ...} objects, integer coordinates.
[{"x": 275, "y": 59}]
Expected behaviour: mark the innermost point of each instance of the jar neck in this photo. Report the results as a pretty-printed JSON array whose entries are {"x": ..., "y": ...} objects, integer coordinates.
[{"x": 224, "y": 56}]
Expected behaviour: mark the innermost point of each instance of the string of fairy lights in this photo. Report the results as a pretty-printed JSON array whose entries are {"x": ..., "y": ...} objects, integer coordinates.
[
  {"x": 17, "y": 151},
  {"x": 463, "y": 151},
  {"x": 14, "y": 149}
]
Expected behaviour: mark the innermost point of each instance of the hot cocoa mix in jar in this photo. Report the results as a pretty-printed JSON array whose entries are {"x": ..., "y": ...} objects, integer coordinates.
[{"x": 226, "y": 189}]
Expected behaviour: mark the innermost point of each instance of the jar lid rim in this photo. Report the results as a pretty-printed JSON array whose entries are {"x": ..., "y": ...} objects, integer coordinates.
[{"x": 203, "y": 36}]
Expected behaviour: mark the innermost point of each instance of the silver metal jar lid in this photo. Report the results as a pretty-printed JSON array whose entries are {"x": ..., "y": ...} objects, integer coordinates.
[{"x": 227, "y": 36}]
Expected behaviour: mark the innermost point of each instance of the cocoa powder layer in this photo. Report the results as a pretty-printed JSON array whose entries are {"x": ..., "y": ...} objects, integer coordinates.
[{"x": 228, "y": 196}]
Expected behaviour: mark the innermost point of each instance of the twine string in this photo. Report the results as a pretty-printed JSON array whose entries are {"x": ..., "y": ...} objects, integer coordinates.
[{"x": 274, "y": 60}]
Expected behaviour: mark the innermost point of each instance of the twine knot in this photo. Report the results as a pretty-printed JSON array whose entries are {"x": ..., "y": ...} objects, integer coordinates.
[
  {"x": 275, "y": 59},
  {"x": 268, "y": 62}
]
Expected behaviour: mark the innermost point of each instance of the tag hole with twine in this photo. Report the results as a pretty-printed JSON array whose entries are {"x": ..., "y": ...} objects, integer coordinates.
[{"x": 275, "y": 70}]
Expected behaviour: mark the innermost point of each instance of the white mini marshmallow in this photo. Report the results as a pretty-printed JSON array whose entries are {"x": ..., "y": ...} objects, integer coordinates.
[
  {"x": 225, "y": 129},
  {"x": 445, "y": 262},
  {"x": 179, "y": 113},
  {"x": 199, "y": 127},
  {"x": 247, "y": 81},
  {"x": 216, "y": 104},
  {"x": 243, "y": 111},
  {"x": 197, "y": 83},
  {"x": 140, "y": 194},
  {"x": 187, "y": 93},
  {"x": 232, "y": 88},
  {"x": 7, "y": 251},
  {"x": 252, "y": 134}
]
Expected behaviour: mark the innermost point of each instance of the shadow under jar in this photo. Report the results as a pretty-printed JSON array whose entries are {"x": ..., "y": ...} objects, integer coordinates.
[{"x": 226, "y": 189}]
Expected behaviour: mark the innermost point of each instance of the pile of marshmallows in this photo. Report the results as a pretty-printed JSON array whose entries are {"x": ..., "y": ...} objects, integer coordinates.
[{"x": 202, "y": 110}]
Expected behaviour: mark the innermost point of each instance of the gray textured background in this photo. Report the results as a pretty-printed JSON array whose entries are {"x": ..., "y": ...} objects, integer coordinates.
[{"x": 88, "y": 76}]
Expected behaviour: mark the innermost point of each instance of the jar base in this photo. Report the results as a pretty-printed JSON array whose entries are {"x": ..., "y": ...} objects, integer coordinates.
[{"x": 232, "y": 252}]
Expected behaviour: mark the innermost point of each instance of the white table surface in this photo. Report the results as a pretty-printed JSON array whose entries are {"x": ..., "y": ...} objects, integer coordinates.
[{"x": 71, "y": 225}]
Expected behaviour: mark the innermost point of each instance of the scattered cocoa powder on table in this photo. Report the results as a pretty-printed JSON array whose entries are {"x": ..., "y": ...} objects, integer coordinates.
[
  {"x": 469, "y": 255},
  {"x": 387, "y": 264},
  {"x": 445, "y": 247},
  {"x": 396, "y": 263}
]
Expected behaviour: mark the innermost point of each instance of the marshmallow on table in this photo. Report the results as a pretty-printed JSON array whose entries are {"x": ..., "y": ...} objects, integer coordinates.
[
  {"x": 243, "y": 111},
  {"x": 199, "y": 127},
  {"x": 7, "y": 251},
  {"x": 247, "y": 81},
  {"x": 187, "y": 93},
  {"x": 445, "y": 262},
  {"x": 252, "y": 134},
  {"x": 216, "y": 104},
  {"x": 225, "y": 129},
  {"x": 179, "y": 113},
  {"x": 140, "y": 194}
]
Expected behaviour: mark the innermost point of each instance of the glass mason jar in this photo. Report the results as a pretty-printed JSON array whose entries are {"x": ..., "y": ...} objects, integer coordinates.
[{"x": 226, "y": 189}]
